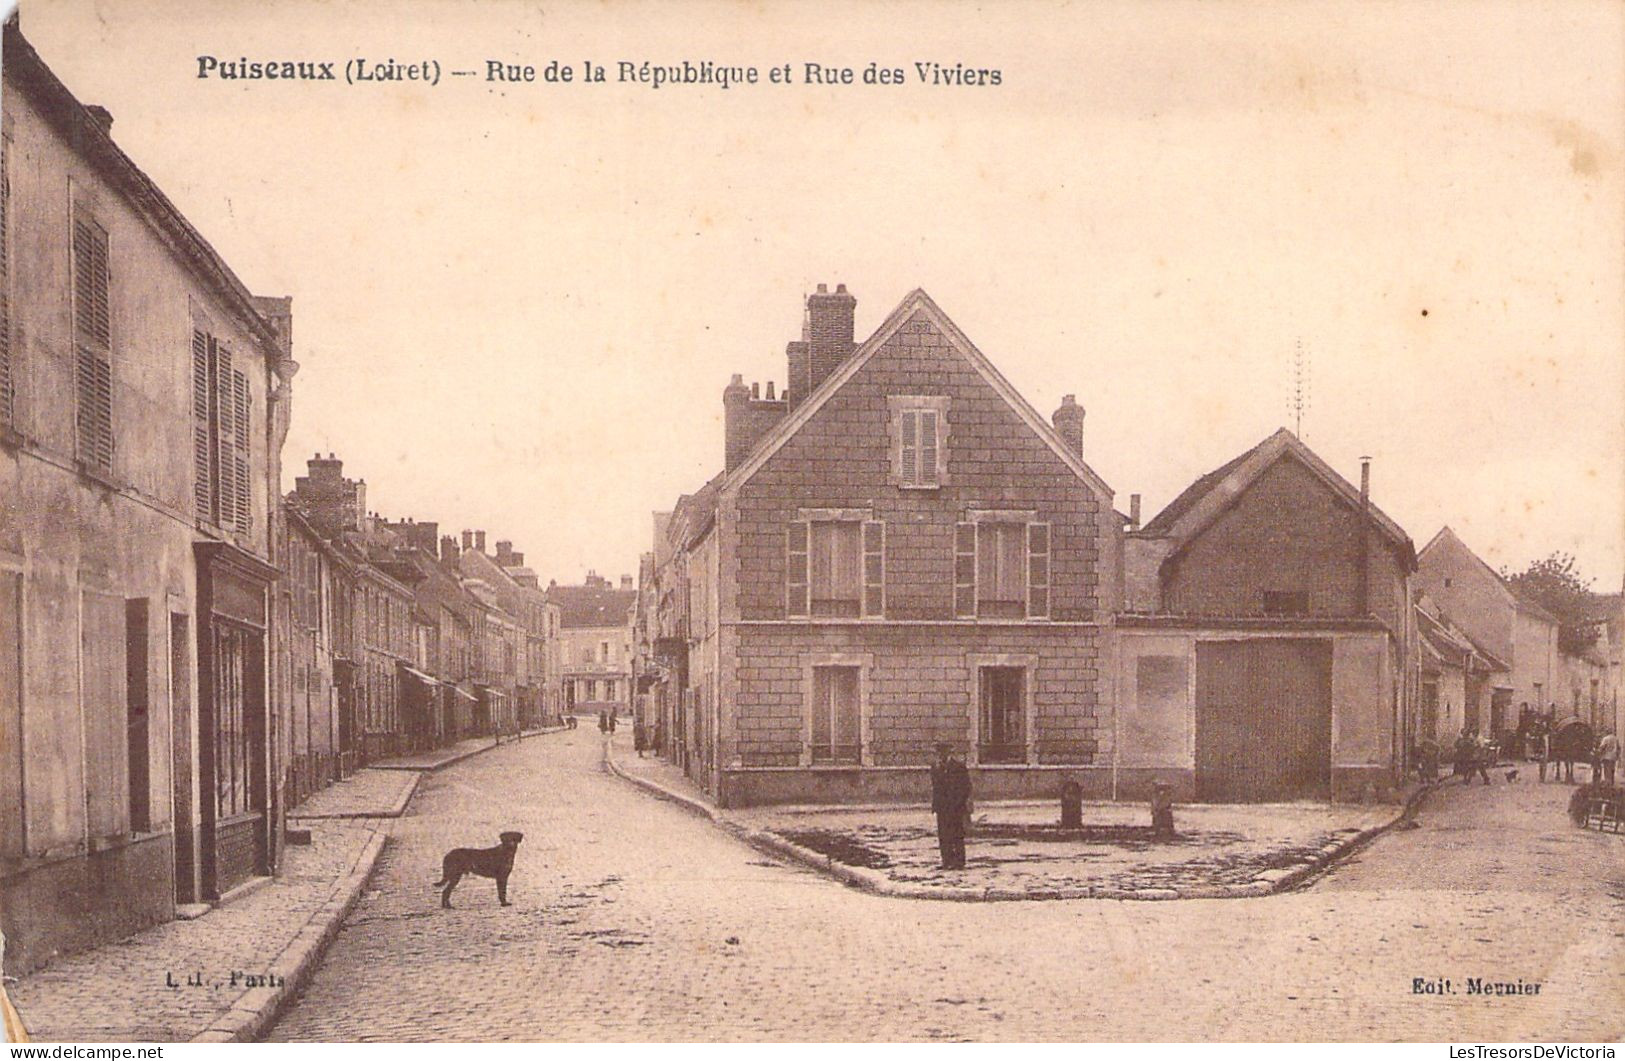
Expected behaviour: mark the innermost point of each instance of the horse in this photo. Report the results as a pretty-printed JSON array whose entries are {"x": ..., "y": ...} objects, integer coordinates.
[{"x": 1571, "y": 741}]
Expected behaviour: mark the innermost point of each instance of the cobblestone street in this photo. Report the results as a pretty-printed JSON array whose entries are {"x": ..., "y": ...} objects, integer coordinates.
[{"x": 633, "y": 919}]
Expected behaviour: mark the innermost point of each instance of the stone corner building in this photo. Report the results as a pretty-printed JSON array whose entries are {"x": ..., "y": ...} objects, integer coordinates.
[
  {"x": 899, "y": 552},
  {"x": 143, "y": 403}
]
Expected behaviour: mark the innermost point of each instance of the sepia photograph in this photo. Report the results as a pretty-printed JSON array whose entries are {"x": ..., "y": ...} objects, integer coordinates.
[{"x": 608, "y": 521}]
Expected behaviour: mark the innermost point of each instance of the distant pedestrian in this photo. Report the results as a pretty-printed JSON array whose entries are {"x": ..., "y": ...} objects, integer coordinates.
[
  {"x": 603, "y": 721},
  {"x": 640, "y": 738},
  {"x": 612, "y": 720},
  {"x": 1470, "y": 757},
  {"x": 1607, "y": 756},
  {"x": 950, "y": 796}
]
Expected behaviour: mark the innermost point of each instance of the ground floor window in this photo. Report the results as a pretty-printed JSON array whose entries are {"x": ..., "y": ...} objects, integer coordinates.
[
  {"x": 1002, "y": 715},
  {"x": 836, "y": 733},
  {"x": 236, "y": 717}
]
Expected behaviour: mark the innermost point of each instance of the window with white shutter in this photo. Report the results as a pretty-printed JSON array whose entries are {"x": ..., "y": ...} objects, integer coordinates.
[
  {"x": 93, "y": 343},
  {"x": 835, "y": 578},
  {"x": 918, "y": 439},
  {"x": 965, "y": 571},
  {"x": 796, "y": 569},
  {"x": 1001, "y": 568},
  {"x": 874, "y": 568},
  {"x": 1038, "y": 553}
]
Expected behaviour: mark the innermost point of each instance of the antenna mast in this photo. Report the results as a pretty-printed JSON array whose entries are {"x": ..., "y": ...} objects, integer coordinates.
[{"x": 1298, "y": 404}]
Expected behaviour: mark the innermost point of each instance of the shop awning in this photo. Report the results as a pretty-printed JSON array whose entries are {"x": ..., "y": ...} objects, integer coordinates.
[
  {"x": 464, "y": 693},
  {"x": 419, "y": 675}
]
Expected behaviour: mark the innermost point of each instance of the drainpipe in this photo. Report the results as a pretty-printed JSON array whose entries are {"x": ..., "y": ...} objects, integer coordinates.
[{"x": 1365, "y": 534}]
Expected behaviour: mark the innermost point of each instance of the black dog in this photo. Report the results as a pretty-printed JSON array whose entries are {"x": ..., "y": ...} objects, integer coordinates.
[{"x": 494, "y": 862}]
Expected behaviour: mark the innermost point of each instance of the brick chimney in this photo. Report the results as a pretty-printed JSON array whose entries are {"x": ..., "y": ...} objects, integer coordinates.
[
  {"x": 335, "y": 504},
  {"x": 1068, "y": 420},
  {"x": 421, "y": 536},
  {"x": 736, "y": 438},
  {"x": 826, "y": 341},
  {"x": 279, "y": 312},
  {"x": 448, "y": 549},
  {"x": 626, "y": 581},
  {"x": 468, "y": 540},
  {"x": 479, "y": 541}
]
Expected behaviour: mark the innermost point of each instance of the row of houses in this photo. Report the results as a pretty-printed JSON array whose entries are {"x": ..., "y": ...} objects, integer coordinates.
[
  {"x": 395, "y": 639},
  {"x": 185, "y": 652},
  {"x": 900, "y": 552}
]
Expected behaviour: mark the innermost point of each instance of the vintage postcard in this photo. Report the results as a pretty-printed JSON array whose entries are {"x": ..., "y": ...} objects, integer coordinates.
[{"x": 843, "y": 521}]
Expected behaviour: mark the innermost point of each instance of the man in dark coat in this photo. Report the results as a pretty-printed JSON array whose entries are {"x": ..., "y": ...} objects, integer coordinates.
[{"x": 950, "y": 793}]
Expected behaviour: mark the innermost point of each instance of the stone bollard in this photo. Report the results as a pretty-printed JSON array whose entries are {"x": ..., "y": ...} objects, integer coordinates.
[
  {"x": 1162, "y": 810},
  {"x": 1072, "y": 805}
]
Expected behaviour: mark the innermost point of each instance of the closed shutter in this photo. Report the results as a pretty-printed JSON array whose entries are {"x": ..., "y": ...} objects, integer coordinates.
[
  {"x": 917, "y": 438},
  {"x": 225, "y": 439},
  {"x": 1038, "y": 552},
  {"x": 243, "y": 512},
  {"x": 927, "y": 474},
  {"x": 909, "y": 436},
  {"x": 93, "y": 346},
  {"x": 90, "y": 284},
  {"x": 796, "y": 538},
  {"x": 874, "y": 568},
  {"x": 203, "y": 492},
  {"x": 103, "y": 712},
  {"x": 965, "y": 571},
  {"x": 8, "y": 392},
  {"x": 94, "y": 409}
]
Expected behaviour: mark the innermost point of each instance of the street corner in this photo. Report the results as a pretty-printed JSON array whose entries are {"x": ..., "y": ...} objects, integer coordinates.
[{"x": 1018, "y": 852}]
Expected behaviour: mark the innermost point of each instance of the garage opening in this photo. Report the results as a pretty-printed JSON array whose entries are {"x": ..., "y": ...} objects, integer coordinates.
[{"x": 1263, "y": 720}]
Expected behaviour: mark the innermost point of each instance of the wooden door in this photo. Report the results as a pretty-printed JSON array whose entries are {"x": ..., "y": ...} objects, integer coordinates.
[{"x": 1263, "y": 719}]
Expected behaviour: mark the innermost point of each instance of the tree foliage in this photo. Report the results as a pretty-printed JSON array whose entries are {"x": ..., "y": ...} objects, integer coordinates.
[{"x": 1557, "y": 585}]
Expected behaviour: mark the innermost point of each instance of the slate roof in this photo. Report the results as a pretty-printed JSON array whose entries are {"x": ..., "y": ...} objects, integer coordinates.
[
  {"x": 1164, "y": 521},
  {"x": 693, "y": 514},
  {"x": 583, "y": 607},
  {"x": 1235, "y": 476}
]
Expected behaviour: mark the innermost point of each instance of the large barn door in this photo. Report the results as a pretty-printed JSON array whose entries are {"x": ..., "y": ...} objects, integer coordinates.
[{"x": 1263, "y": 719}]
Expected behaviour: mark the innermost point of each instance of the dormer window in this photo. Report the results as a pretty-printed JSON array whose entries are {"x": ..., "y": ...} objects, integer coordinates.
[{"x": 919, "y": 440}]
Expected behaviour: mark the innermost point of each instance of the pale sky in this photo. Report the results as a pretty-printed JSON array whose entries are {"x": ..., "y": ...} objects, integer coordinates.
[{"x": 516, "y": 307}]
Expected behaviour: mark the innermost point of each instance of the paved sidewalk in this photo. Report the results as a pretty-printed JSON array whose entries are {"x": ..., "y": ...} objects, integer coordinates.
[
  {"x": 368, "y": 793},
  {"x": 137, "y": 990},
  {"x": 1221, "y": 851},
  {"x": 438, "y": 758},
  {"x": 662, "y": 780}
]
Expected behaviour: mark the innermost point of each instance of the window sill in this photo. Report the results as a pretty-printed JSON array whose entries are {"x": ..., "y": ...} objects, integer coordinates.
[{"x": 101, "y": 478}]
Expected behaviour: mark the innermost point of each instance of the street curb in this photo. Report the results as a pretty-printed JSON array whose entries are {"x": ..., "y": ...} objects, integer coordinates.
[
  {"x": 395, "y": 810},
  {"x": 659, "y": 791},
  {"x": 1269, "y": 882},
  {"x": 253, "y": 1012}
]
